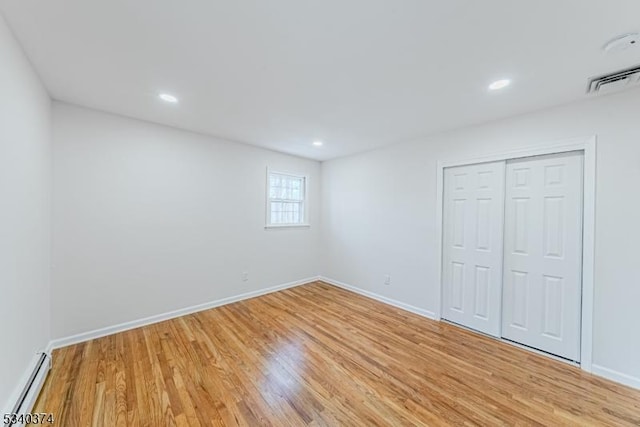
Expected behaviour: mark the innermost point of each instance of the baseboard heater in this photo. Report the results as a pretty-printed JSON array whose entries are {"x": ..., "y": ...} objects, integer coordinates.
[{"x": 29, "y": 394}]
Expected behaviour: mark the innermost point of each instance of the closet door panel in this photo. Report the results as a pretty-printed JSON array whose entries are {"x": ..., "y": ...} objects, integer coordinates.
[
  {"x": 543, "y": 253},
  {"x": 472, "y": 245}
]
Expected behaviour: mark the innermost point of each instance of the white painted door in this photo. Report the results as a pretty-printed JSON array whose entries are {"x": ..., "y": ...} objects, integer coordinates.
[
  {"x": 472, "y": 245},
  {"x": 543, "y": 253}
]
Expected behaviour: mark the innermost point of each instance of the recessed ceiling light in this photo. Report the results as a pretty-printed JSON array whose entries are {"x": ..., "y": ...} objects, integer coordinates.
[
  {"x": 499, "y": 84},
  {"x": 168, "y": 98},
  {"x": 318, "y": 143}
]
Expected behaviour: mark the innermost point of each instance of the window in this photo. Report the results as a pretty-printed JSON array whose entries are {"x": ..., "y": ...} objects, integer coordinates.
[{"x": 286, "y": 200}]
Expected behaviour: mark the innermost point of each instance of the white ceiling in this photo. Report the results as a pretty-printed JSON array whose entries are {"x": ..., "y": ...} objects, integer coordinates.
[{"x": 356, "y": 74}]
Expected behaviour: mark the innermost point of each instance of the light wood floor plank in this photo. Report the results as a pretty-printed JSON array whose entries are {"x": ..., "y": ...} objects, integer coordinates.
[{"x": 319, "y": 355}]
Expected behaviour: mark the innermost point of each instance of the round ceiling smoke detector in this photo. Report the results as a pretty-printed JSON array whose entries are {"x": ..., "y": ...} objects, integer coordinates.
[{"x": 623, "y": 42}]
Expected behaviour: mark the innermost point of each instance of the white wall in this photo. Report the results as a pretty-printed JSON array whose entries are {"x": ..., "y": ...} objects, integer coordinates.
[
  {"x": 379, "y": 213},
  {"x": 25, "y": 160},
  {"x": 148, "y": 219}
]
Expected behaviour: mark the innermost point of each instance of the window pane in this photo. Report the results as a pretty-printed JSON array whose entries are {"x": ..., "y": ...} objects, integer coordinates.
[
  {"x": 273, "y": 186},
  {"x": 286, "y": 187},
  {"x": 287, "y": 199},
  {"x": 287, "y": 212}
]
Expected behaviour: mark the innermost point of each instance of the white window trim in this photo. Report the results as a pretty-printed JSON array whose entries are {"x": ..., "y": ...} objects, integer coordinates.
[{"x": 267, "y": 204}]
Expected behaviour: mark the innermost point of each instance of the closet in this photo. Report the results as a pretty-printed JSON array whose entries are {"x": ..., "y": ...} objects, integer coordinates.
[{"x": 512, "y": 250}]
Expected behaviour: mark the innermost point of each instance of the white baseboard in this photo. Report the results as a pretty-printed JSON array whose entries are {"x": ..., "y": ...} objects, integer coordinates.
[
  {"x": 109, "y": 330},
  {"x": 601, "y": 371},
  {"x": 407, "y": 307},
  {"x": 49, "y": 348},
  {"x": 616, "y": 376},
  {"x": 607, "y": 373},
  {"x": 34, "y": 391}
]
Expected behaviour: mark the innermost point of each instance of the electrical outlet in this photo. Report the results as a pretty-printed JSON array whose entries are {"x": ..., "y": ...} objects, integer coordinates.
[
  {"x": 387, "y": 279},
  {"x": 245, "y": 276}
]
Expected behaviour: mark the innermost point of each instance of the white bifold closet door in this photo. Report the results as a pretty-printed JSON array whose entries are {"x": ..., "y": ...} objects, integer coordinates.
[
  {"x": 472, "y": 245},
  {"x": 543, "y": 253}
]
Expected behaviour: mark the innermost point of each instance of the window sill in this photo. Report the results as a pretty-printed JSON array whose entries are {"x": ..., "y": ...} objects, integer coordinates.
[{"x": 276, "y": 226}]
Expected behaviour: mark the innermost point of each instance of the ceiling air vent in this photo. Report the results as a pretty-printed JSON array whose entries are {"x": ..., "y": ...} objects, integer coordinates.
[{"x": 615, "y": 81}]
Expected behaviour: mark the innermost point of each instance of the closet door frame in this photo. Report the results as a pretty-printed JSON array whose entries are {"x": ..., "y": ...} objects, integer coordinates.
[{"x": 587, "y": 145}]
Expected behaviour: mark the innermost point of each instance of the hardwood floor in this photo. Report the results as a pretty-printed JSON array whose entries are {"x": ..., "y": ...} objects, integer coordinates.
[{"x": 320, "y": 355}]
